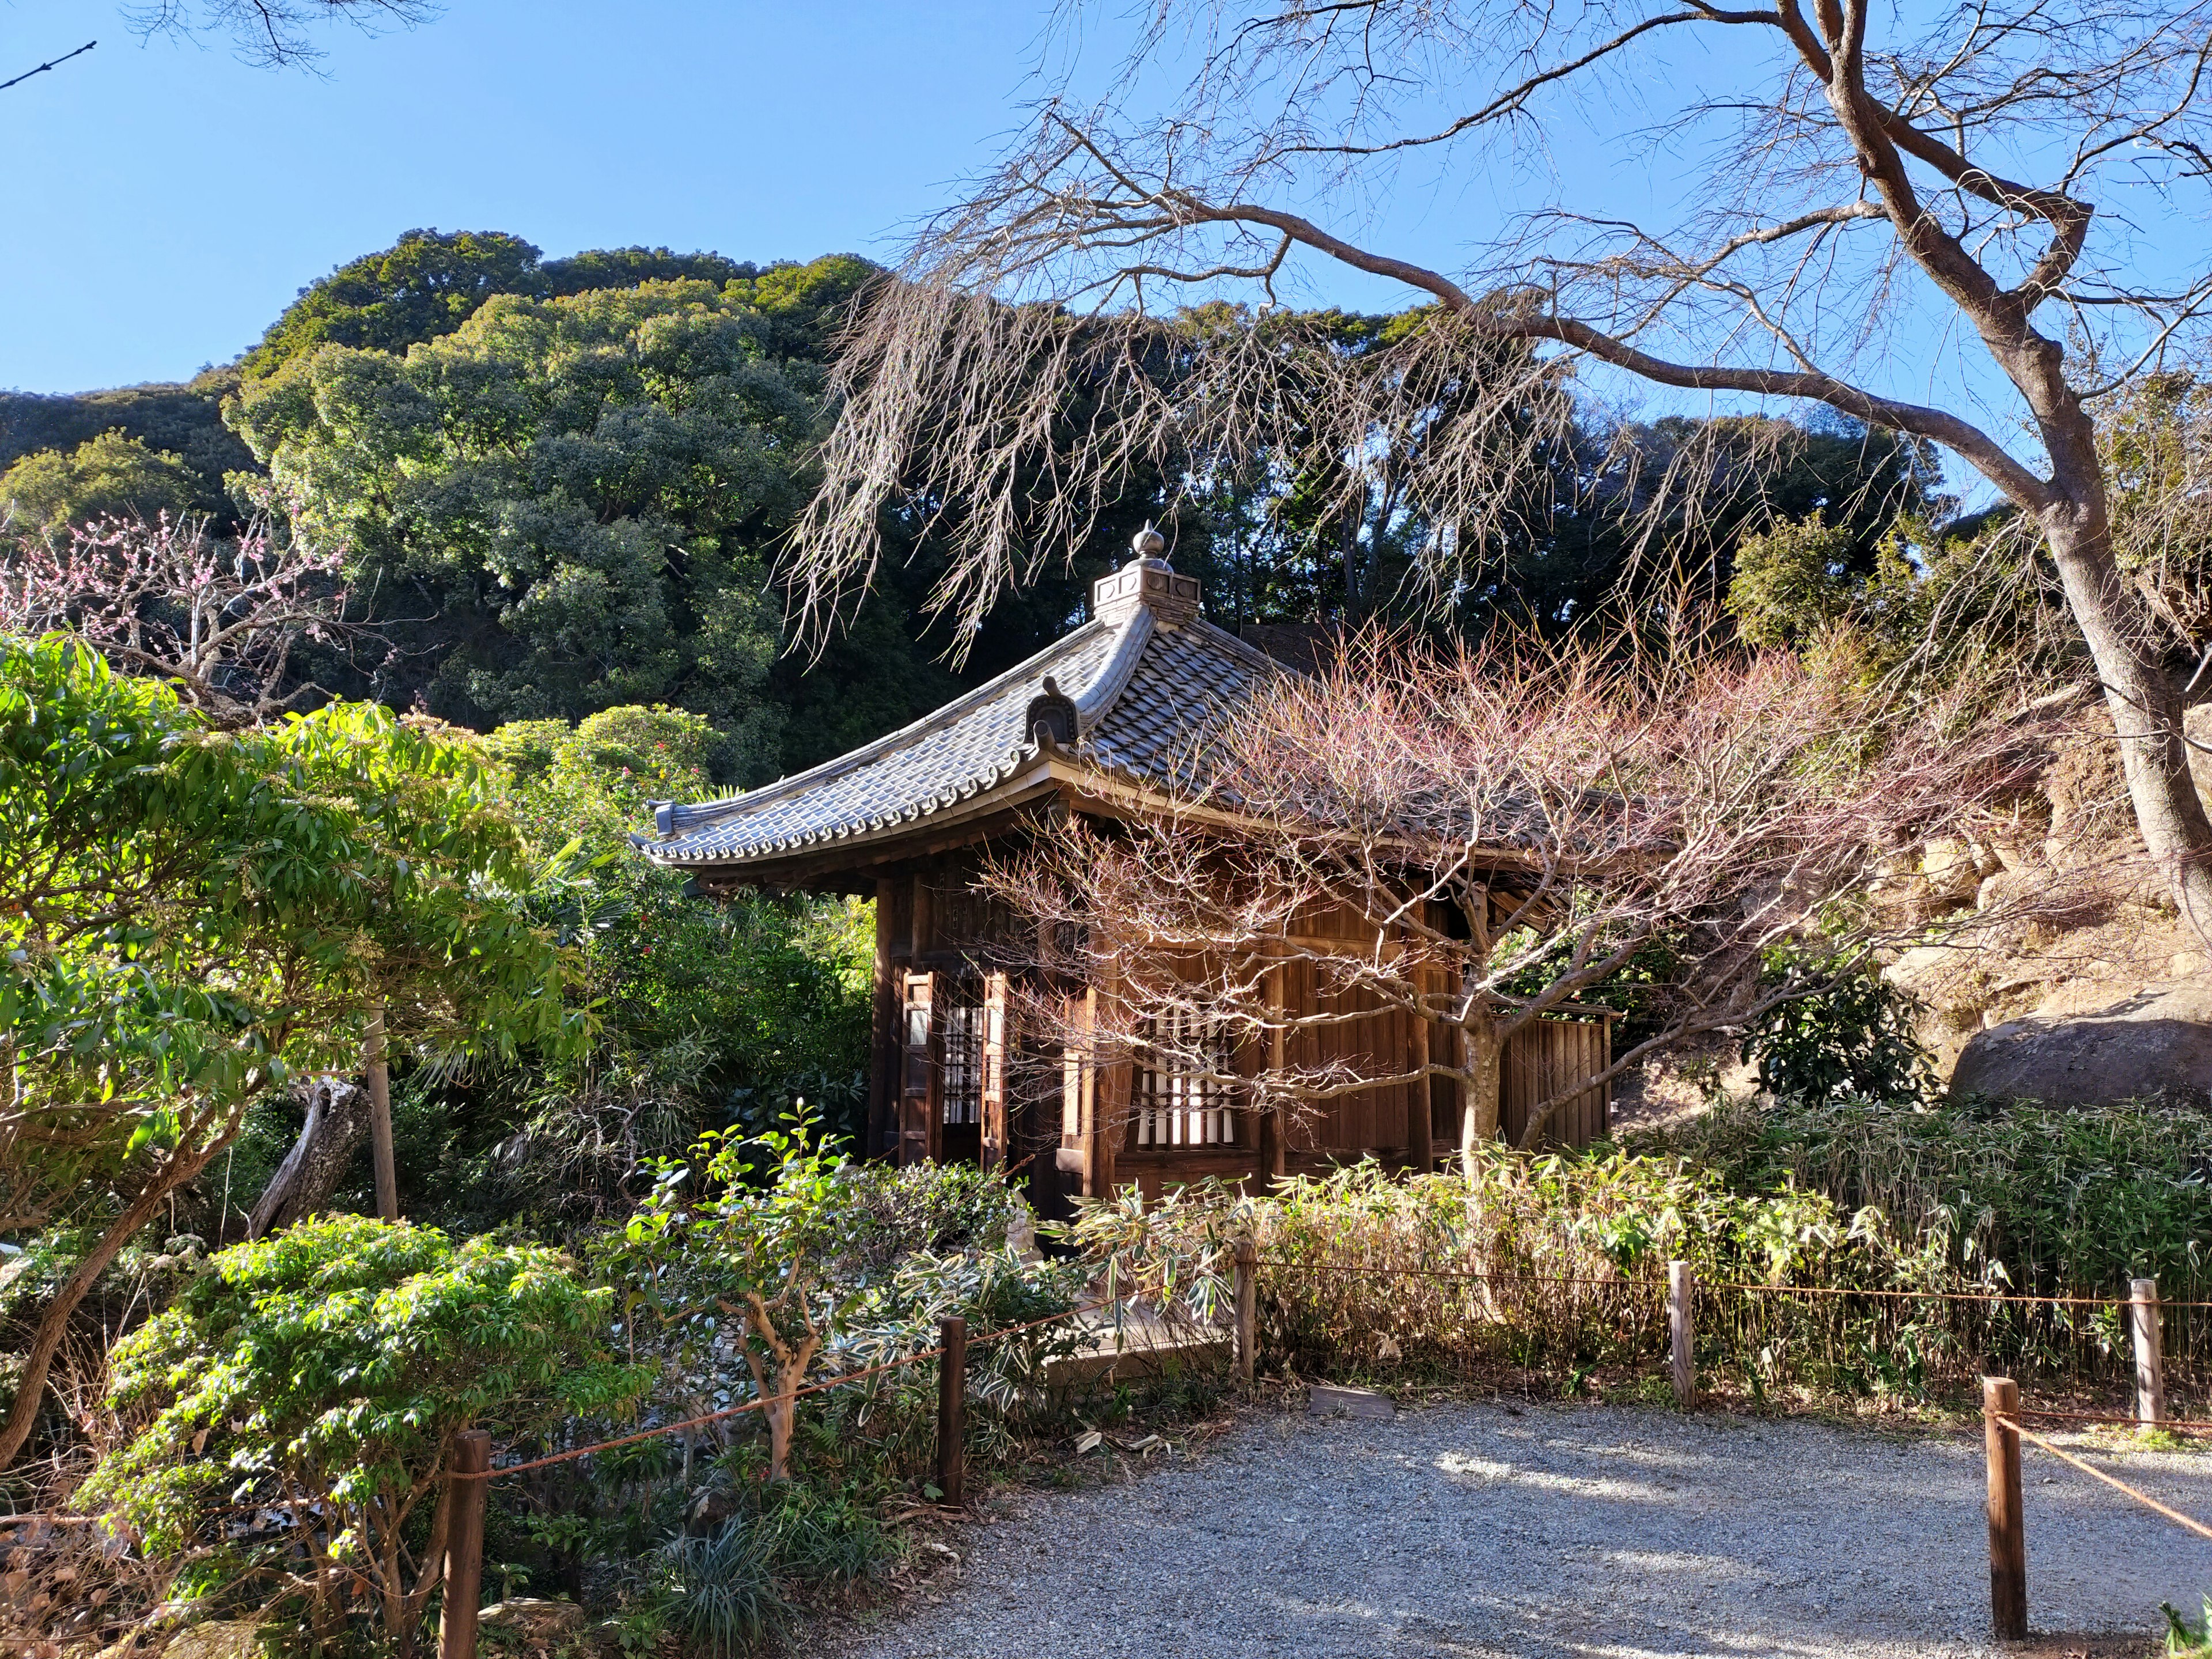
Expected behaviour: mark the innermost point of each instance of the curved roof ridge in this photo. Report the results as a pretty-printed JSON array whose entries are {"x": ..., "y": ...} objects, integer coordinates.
[
  {"x": 1113, "y": 678},
  {"x": 669, "y": 820}
]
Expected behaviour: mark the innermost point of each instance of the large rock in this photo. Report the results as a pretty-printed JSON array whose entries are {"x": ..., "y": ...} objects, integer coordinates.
[{"x": 2157, "y": 1042}]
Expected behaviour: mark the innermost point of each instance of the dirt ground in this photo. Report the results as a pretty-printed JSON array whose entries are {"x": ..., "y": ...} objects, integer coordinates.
[{"x": 1487, "y": 1530}]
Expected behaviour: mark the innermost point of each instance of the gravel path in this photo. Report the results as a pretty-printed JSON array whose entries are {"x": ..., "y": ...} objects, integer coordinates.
[{"x": 1478, "y": 1532}]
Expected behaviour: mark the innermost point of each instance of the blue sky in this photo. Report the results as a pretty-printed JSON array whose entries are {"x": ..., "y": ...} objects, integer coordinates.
[{"x": 167, "y": 201}]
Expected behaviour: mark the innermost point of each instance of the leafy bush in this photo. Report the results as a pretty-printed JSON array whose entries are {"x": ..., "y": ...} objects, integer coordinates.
[
  {"x": 781, "y": 1262},
  {"x": 1852, "y": 1038},
  {"x": 2045, "y": 1198},
  {"x": 921, "y": 1209},
  {"x": 317, "y": 1378},
  {"x": 714, "y": 1013},
  {"x": 720, "y": 1591},
  {"x": 1560, "y": 1262}
]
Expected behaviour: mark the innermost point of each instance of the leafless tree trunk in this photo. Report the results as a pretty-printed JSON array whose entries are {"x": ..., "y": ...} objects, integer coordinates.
[
  {"x": 201, "y": 1135},
  {"x": 338, "y": 1118},
  {"x": 1869, "y": 187}
]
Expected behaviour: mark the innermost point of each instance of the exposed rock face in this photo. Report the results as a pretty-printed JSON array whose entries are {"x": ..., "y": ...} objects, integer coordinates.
[{"x": 2157, "y": 1042}]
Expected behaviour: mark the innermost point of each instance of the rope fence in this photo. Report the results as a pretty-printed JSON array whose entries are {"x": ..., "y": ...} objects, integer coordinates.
[
  {"x": 470, "y": 1474},
  {"x": 1852, "y": 1336},
  {"x": 2002, "y": 1434}
]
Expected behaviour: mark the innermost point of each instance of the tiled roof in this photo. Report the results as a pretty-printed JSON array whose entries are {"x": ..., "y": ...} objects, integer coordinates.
[{"x": 1146, "y": 679}]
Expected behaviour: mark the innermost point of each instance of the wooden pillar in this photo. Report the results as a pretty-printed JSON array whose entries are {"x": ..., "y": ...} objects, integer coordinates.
[
  {"x": 1248, "y": 1308},
  {"x": 1419, "y": 1133},
  {"x": 918, "y": 1102},
  {"x": 993, "y": 1090},
  {"x": 1110, "y": 1121},
  {"x": 884, "y": 1027},
  {"x": 1078, "y": 1079},
  {"x": 1271, "y": 1127},
  {"x": 379, "y": 1117},
  {"x": 920, "y": 934},
  {"x": 465, "y": 1537},
  {"x": 2150, "y": 1355},
  {"x": 2007, "y": 1523}
]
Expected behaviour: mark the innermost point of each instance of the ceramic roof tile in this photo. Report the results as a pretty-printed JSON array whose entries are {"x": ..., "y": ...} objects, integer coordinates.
[{"x": 1144, "y": 694}]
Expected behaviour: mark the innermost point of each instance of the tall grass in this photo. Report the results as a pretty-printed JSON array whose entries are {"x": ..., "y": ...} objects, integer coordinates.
[
  {"x": 1559, "y": 1262},
  {"x": 2052, "y": 1199}
]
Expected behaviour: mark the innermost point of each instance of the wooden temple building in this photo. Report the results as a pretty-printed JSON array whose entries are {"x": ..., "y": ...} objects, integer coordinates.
[{"x": 1101, "y": 723}]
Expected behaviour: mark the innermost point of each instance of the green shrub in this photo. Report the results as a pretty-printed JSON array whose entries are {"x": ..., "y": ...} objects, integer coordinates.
[
  {"x": 933, "y": 1209},
  {"x": 2037, "y": 1198},
  {"x": 1559, "y": 1262},
  {"x": 720, "y": 1591},
  {"x": 317, "y": 1378},
  {"x": 1853, "y": 1038},
  {"x": 776, "y": 1252}
]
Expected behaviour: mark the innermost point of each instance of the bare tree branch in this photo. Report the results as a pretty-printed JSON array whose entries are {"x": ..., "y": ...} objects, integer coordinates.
[
  {"x": 51, "y": 63},
  {"x": 1062, "y": 327}
]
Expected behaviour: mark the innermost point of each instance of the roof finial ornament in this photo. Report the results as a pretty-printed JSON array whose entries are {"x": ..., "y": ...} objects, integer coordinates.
[{"x": 1147, "y": 582}]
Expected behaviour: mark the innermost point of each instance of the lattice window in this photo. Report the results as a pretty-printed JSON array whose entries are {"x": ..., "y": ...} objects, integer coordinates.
[
  {"x": 1183, "y": 1096},
  {"x": 961, "y": 1024}
]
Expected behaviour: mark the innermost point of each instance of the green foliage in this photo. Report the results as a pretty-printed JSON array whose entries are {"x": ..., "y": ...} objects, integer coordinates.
[
  {"x": 110, "y": 476},
  {"x": 325, "y": 1371},
  {"x": 713, "y": 1012},
  {"x": 2182, "y": 1637},
  {"x": 1559, "y": 1262},
  {"x": 2057, "y": 1199},
  {"x": 202, "y": 910},
  {"x": 1555, "y": 1256},
  {"x": 720, "y": 1591},
  {"x": 923, "y": 1209},
  {"x": 1854, "y": 1037},
  {"x": 198, "y": 913},
  {"x": 777, "y": 1249},
  {"x": 426, "y": 284},
  {"x": 1793, "y": 582},
  {"x": 589, "y": 483},
  {"x": 183, "y": 420},
  {"x": 748, "y": 1260}
]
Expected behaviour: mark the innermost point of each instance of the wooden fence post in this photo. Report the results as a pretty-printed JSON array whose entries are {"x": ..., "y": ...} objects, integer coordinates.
[
  {"x": 465, "y": 1535},
  {"x": 952, "y": 1394},
  {"x": 2008, "y": 1525},
  {"x": 1682, "y": 1330},
  {"x": 1248, "y": 1308},
  {"x": 2150, "y": 1355}
]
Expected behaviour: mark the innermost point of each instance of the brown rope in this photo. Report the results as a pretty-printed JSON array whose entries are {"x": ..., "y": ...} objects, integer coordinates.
[
  {"x": 1944, "y": 1296},
  {"x": 2175, "y": 1516},
  {"x": 2199, "y": 1424},
  {"x": 837, "y": 1382},
  {"x": 1451, "y": 1274},
  {"x": 1731, "y": 1285}
]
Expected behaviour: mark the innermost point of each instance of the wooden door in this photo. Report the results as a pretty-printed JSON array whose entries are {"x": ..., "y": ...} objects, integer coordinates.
[
  {"x": 1078, "y": 1079},
  {"x": 993, "y": 1081},
  {"x": 918, "y": 1104}
]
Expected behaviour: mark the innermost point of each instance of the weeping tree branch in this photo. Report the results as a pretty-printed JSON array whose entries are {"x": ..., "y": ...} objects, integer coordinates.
[{"x": 1103, "y": 304}]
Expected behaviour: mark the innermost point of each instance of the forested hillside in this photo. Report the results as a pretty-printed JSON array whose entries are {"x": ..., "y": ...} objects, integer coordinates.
[{"x": 561, "y": 486}]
